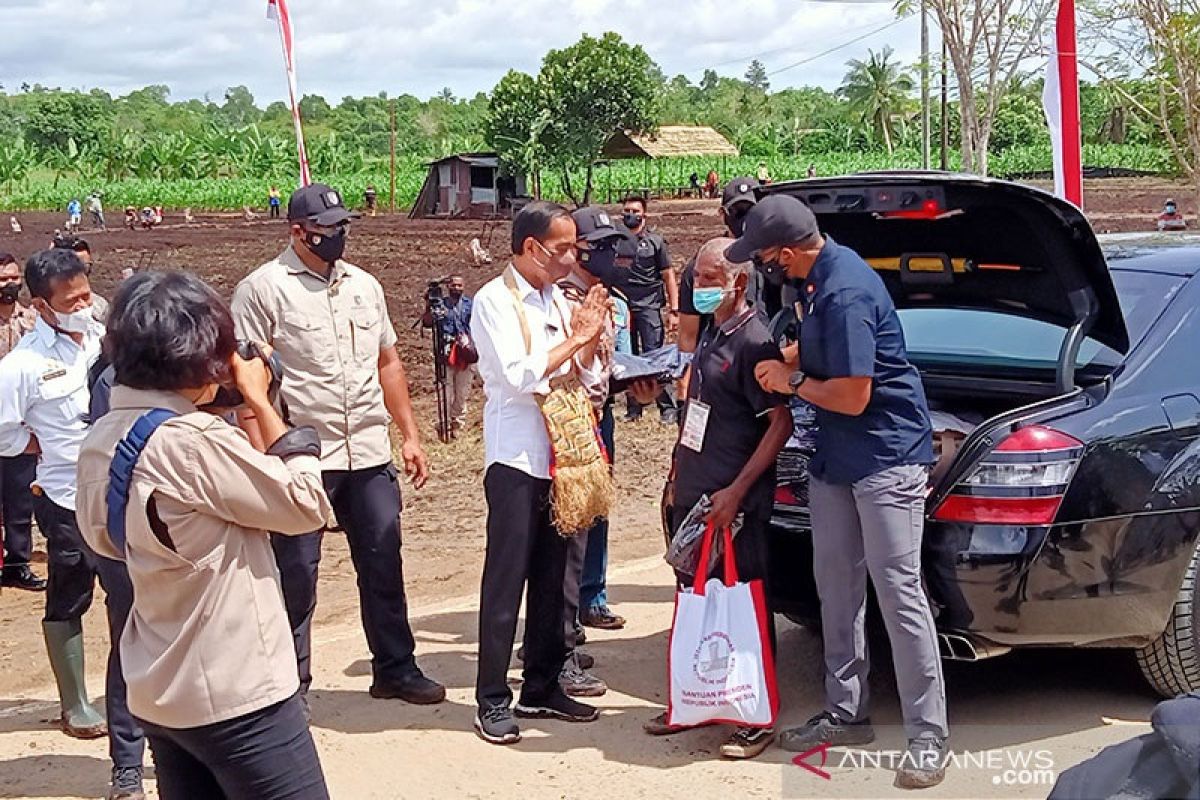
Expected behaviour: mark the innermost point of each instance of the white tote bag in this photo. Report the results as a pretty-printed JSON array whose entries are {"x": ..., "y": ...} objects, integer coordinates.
[{"x": 721, "y": 665}]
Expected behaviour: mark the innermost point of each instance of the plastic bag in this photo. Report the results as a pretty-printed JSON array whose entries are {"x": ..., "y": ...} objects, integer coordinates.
[{"x": 684, "y": 553}]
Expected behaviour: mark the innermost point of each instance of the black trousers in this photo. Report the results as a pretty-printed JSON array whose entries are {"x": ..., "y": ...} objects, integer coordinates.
[
  {"x": 524, "y": 552},
  {"x": 16, "y": 508},
  {"x": 126, "y": 740},
  {"x": 367, "y": 505},
  {"x": 72, "y": 578},
  {"x": 71, "y": 564},
  {"x": 264, "y": 755},
  {"x": 647, "y": 334}
]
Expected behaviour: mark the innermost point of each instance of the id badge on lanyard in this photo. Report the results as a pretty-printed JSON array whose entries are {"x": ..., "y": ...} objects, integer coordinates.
[{"x": 695, "y": 420}]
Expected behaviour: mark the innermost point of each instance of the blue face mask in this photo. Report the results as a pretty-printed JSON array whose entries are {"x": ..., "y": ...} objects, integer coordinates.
[{"x": 708, "y": 300}]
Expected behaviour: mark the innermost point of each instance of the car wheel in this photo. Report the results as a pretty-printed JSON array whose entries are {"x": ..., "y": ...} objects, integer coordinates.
[{"x": 1170, "y": 663}]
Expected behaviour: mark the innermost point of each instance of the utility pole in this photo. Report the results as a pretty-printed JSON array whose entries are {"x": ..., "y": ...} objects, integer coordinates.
[
  {"x": 945, "y": 107},
  {"x": 392, "y": 202},
  {"x": 925, "y": 84}
]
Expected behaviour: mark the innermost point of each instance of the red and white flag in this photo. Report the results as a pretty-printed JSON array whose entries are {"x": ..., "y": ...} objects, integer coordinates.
[
  {"x": 1060, "y": 99},
  {"x": 278, "y": 11}
]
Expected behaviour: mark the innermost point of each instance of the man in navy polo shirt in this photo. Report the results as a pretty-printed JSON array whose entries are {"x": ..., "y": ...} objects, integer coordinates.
[{"x": 867, "y": 480}]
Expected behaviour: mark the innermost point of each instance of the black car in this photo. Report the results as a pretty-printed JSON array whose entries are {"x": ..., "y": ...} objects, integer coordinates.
[{"x": 1064, "y": 382}]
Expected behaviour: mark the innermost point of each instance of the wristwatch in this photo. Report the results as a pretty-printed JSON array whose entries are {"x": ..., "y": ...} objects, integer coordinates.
[{"x": 796, "y": 380}]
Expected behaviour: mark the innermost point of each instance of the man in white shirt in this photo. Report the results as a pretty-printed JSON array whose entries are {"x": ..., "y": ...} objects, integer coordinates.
[
  {"x": 526, "y": 334},
  {"x": 43, "y": 407}
]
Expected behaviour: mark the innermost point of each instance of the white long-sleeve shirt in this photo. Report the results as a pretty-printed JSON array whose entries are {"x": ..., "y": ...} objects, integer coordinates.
[
  {"x": 514, "y": 433},
  {"x": 44, "y": 392}
]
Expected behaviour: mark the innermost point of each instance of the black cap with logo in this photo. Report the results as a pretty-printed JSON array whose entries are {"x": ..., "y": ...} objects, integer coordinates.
[
  {"x": 319, "y": 204},
  {"x": 593, "y": 225},
  {"x": 740, "y": 190},
  {"x": 774, "y": 221}
]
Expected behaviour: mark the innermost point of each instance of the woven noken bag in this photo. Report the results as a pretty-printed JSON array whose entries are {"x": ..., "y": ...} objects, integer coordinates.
[{"x": 581, "y": 481}]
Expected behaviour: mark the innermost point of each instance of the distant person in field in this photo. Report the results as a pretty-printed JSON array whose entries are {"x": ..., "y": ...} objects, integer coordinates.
[
  {"x": 1170, "y": 219},
  {"x": 812, "y": 170},
  {"x": 763, "y": 174},
  {"x": 371, "y": 198},
  {"x": 95, "y": 209},
  {"x": 12, "y": 223},
  {"x": 74, "y": 214},
  {"x": 694, "y": 184},
  {"x": 711, "y": 184},
  {"x": 273, "y": 201}
]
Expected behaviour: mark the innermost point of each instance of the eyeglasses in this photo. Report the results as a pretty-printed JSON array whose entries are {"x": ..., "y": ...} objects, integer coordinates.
[{"x": 560, "y": 252}]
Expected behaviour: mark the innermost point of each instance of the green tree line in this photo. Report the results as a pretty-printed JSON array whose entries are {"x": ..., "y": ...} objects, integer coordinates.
[{"x": 55, "y": 143}]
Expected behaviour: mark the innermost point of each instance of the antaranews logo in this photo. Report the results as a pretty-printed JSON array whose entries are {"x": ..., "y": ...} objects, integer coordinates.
[{"x": 1012, "y": 768}]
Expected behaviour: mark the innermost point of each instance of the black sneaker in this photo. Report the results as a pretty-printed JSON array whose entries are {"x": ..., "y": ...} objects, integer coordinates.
[
  {"x": 126, "y": 784},
  {"x": 557, "y": 706},
  {"x": 22, "y": 577},
  {"x": 826, "y": 728},
  {"x": 578, "y": 682},
  {"x": 416, "y": 689},
  {"x": 923, "y": 764},
  {"x": 747, "y": 742},
  {"x": 669, "y": 416},
  {"x": 496, "y": 725}
]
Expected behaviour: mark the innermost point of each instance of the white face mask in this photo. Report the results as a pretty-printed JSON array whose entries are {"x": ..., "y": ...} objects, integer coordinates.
[{"x": 76, "y": 322}]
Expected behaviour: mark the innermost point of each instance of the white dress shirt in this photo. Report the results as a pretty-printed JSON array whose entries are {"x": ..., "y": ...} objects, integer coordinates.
[
  {"x": 514, "y": 432},
  {"x": 44, "y": 392}
]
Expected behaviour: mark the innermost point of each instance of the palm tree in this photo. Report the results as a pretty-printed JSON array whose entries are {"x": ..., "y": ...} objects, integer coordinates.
[{"x": 878, "y": 91}]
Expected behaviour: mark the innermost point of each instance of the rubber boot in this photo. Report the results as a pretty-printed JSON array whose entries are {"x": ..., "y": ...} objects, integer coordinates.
[{"x": 64, "y": 644}]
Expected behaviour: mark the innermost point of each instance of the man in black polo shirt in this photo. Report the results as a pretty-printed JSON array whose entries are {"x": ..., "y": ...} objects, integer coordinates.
[
  {"x": 867, "y": 481},
  {"x": 732, "y": 432},
  {"x": 646, "y": 279}
]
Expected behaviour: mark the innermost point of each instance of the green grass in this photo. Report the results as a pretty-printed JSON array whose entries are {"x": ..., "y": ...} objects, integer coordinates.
[{"x": 41, "y": 192}]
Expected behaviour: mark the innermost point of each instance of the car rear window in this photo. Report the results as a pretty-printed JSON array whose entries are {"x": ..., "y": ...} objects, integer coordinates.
[{"x": 940, "y": 337}]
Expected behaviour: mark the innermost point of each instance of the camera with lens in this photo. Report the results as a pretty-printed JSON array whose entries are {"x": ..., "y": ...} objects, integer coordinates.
[{"x": 229, "y": 396}]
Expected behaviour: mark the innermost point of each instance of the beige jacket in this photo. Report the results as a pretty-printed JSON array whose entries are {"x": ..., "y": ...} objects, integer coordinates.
[
  {"x": 208, "y": 638},
  {"x": 329, "y": 335}
]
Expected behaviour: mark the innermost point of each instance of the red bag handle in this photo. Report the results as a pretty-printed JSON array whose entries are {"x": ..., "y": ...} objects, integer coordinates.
[{"x": 731, "y": 574}]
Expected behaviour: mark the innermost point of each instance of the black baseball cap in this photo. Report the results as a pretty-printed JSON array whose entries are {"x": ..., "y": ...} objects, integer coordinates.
[
  {"x": 774, "y": 221},
  {"x": 318, "y": 203},
  {"x": 595, "y": 225},
  {"x": 740, "y": 190}
]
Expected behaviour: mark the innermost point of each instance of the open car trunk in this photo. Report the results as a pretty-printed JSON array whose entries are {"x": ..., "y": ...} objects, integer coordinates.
[{"x": 960, "y": 242}]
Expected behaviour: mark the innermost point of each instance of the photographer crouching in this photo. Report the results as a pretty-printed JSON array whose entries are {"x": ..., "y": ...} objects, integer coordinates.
[{"x": 207, "y": 652}]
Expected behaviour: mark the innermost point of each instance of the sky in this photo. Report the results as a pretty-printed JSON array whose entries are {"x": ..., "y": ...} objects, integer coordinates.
[{"x": 363, "y": 47}]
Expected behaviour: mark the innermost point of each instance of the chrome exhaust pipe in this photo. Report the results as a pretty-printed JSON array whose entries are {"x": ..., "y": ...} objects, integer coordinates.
[{"x": 964, "y": 647}]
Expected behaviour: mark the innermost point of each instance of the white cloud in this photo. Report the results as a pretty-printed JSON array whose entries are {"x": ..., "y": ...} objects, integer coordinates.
[{"x": 362, "y": 47}]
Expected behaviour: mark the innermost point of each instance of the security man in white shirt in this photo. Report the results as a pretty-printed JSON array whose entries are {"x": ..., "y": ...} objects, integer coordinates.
[
  {"x": 43, "y": 406},
  {"x": 527, "y": 334}
]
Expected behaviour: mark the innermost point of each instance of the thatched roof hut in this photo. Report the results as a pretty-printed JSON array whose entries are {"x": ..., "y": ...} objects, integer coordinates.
[{"x": 670, "y": 141}]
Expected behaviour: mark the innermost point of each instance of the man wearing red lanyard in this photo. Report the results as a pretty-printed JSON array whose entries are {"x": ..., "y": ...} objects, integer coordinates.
[{"x": 732, "y": 432}]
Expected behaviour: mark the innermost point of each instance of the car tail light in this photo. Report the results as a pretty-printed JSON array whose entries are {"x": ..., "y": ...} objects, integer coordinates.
[{"x": 1021, "y": 482}]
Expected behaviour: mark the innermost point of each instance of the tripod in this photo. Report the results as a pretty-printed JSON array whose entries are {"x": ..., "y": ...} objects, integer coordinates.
[{"x": 437, "y": 310}]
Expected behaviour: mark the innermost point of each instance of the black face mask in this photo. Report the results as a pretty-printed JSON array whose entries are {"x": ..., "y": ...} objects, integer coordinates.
[
  {"x": 601, "y": 263},
  {"x": 632, "y": 220},
  {"x": 327, "y": 247},
  {"x": 9, "y": 293},
  {"x": 736, "y": 222},
  {"x": 772, "y": 271}
]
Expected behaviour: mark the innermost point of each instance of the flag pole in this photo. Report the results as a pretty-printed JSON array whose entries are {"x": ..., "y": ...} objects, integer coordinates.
[
  {"x": 1068, "y": 70},
  {"x": 1061, "y": 101},
  {"x": 278, "y": 10}
]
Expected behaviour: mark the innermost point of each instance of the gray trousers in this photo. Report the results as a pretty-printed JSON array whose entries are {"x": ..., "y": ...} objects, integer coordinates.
[{"x": 874, "y": 527}]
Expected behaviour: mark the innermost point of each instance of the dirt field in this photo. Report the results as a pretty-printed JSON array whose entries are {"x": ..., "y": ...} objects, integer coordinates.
[{"x": 443, "y": 524}]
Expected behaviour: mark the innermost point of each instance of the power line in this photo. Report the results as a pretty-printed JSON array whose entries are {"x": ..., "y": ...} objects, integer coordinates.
[{"x": 841, "y": 46}]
